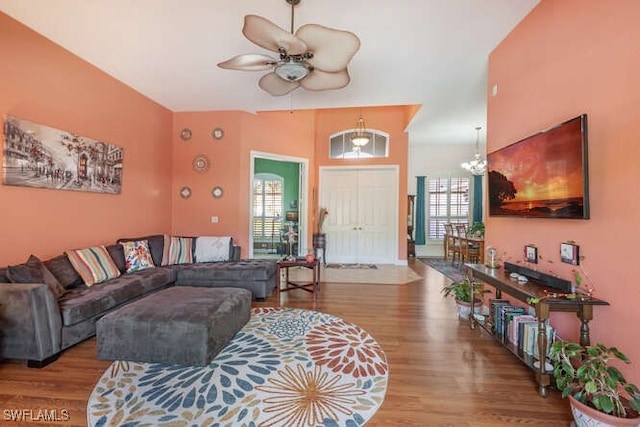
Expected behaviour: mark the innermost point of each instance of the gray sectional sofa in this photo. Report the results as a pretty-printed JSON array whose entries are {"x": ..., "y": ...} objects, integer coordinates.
[{"x": 38, "y": 320}]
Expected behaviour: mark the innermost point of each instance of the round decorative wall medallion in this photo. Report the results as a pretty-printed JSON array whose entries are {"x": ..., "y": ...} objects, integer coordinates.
[
  {"x": 185, "y": 134},
  {"x": 217, "y": 133},
  {"x": 217, "y": 192},
  {"x": 185, "y": 192},
  {"x": 201, "y": 163}
]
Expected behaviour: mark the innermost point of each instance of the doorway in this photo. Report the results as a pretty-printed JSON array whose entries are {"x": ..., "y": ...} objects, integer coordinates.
[
  {"x": 279, "y": 188},
  {"x": 362, "y": 225}
]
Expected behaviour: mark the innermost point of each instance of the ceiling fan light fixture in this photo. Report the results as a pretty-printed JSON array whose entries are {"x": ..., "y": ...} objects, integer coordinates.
[
  {"x": 314, "y": 57},
  {"x": 292, "y": 71}
]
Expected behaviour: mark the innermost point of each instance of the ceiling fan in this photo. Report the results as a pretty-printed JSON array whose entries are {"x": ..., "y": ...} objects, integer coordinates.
[{"x": 315, "y": 57}]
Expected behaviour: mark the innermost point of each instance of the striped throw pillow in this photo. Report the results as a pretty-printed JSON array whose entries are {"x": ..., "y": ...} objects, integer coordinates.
[
  {"x": 177, "y": 250},
  {"x": 93, "y": 264}
]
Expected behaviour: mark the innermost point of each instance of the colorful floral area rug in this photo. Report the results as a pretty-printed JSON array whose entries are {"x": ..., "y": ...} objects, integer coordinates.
[{"x": 285, "y": 367}]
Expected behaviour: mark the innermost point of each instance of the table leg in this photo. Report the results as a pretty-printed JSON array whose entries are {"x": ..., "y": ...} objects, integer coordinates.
[
  {"x": 278, "y": 282},
  {"x": 318, "y": 274},
  {"x": 472, "y": 319},
  {"x": 315, "y": 272},
  {"x": 585, "y": 314},
  {"x": 542, "y": 311}
]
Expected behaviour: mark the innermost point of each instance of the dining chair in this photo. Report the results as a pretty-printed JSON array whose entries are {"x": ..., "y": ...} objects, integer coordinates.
[
  {"x": 469, "y": 251},
  {"x": 452, "y": 248}
]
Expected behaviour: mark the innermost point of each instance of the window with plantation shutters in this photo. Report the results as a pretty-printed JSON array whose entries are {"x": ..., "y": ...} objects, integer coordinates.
[
  {"x": 447, "y": 201},
  {"x": 268, "y": 197}
]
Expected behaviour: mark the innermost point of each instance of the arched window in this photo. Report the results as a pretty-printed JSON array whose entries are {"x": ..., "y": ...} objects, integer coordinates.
[{"x": 340, "y": 146}]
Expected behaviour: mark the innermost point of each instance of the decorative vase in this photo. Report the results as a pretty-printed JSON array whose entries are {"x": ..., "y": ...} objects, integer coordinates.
[
  {"x": 586, "y": 416},
  {"x": 310, "y": 257}
]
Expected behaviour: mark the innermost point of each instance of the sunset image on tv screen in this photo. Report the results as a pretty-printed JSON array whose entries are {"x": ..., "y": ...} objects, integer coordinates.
[{"x": 541, "y": 176}]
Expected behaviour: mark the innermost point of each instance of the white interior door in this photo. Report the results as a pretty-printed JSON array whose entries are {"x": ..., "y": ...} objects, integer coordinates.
[{"x": 362, "y": 223}]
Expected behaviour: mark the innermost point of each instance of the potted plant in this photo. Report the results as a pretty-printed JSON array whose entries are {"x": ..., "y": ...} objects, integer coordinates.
[
  {"x": 597, "y": 390},
  {"x": 476, "y": 229},
  {"x": 461, "y": 291}
]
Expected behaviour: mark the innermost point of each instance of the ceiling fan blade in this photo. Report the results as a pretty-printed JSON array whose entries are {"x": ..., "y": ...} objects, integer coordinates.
[
  {"x": 268, "y": 35},
  {"x": 332, "y": 49},
  {"x": 275, "y": 85},
  {"x": 249, "y": 62},
  {"x": 321, "y": 80}
]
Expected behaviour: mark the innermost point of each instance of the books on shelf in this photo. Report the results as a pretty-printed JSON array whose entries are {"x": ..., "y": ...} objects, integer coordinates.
[{"x": 514, "y": 325}]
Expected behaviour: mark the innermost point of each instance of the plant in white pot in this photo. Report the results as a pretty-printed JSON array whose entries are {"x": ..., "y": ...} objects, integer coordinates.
[
  {"x": 599, "y": 394},
  {"x": 460, "y": 290}
]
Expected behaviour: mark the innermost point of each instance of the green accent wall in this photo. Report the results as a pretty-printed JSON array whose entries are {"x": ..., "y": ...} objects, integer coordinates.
[{"x": 290, "y": 172}]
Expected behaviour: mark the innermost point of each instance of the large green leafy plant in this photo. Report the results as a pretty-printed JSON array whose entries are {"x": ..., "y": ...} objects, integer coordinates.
[
  {"x": 587, "y": 375},
  {"x": 461, "y": 290}
]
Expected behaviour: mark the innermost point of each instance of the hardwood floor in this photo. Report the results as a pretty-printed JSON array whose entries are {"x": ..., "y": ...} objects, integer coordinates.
[{"x": 441, "y": 373}]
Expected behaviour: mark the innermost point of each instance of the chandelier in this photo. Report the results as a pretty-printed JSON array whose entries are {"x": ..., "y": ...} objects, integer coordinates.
[
  {"x": 476, "y": 166},
  {"x": 359, "y": 137}
]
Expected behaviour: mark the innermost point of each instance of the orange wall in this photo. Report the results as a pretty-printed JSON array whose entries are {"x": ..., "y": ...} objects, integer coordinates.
[
  {"x": 566, "y": 58},
  {"x": 392, "y": 120},
  {"x": 303, "y": 134},
  {"x": 46, "y": 84},
  {"x": 43, "y": 83},
  {"x": 281, "y": 133}
]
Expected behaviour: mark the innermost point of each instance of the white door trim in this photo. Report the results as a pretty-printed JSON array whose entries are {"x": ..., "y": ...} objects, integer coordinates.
[{"x": 303, "y": 190}]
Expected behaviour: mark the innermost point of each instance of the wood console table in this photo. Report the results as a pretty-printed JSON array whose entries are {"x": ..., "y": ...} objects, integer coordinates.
[{"x": 500, "y": 280}]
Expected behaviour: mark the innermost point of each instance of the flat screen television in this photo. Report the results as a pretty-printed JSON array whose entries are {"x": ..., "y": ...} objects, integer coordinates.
[{"x": 542, "y": 176}]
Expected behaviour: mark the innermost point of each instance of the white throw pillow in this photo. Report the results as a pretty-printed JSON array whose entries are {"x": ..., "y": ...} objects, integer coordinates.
[{"x": 211, "y": 249}]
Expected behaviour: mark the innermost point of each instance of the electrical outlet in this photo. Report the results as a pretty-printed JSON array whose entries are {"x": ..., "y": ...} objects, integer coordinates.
[{"x": 214, "y": 220}]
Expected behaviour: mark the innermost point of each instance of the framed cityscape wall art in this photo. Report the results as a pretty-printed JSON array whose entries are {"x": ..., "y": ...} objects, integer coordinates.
[{"x": 45, "y": 157}]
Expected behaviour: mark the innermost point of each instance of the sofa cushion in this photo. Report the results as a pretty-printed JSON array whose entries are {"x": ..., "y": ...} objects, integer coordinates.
[
  {"x": 231, "y": 271},
  {"x": 116, "y": 252},
  {"x": 177, "y": 250},
  {"x": 156, "y": 245},
  {"x": 56, "y": 288},
  {"x": 25, "y": 273},
  {"x": 212, "y": 249},
  {"x": 93, "y": 264},
  {"x": 78, "y": 305},
  {"x": 137, "y": 256},
  {"x": 34, "y": 271},
  {"x": 63, "y": 270}
]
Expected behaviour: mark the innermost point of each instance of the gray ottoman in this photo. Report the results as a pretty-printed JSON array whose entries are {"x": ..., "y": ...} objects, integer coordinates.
[{"x": 180, "y": 325}]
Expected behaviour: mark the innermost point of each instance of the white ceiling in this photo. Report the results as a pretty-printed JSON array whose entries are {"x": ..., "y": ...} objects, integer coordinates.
[{"x": 428, "y": 52}]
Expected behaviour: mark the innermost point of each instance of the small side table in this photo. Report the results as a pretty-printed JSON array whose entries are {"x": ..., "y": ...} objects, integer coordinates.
[{"x": 313, "y": 286}]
